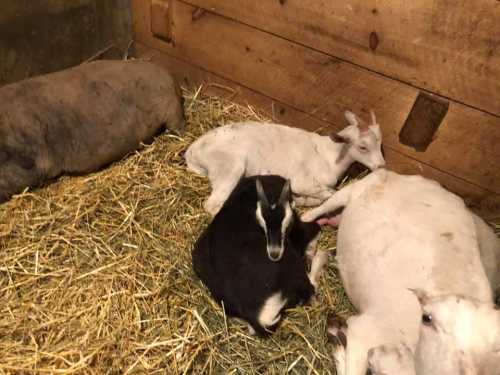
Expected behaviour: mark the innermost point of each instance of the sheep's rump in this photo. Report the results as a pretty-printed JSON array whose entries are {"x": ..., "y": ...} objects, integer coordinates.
[{"x": 81, "y": 119}]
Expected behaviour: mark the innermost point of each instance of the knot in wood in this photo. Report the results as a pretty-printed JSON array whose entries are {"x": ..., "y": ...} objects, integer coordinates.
[{"x": 373, "y": 41}]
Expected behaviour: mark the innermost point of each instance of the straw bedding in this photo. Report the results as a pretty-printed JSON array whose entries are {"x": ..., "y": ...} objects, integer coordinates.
[
  {"x": 95, "y": 274},
  {"x": 96, "y": 277}
]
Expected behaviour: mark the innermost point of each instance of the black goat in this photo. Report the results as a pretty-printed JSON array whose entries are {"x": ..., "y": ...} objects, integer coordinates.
[{"x": 251, "y": 256}]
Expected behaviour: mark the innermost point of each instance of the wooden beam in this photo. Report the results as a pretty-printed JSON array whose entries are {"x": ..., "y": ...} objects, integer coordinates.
[
  {"x": 484, "y": 202},
  {"x": 466, "y": 144},
  {"x": 449, "y": 48}
]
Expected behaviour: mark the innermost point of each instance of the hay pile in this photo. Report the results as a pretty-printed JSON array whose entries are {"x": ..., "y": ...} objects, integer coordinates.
[{"x": 95, "y": 275}]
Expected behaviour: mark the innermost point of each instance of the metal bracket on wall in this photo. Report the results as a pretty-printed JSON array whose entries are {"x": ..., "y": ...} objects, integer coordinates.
[{"x": 161, "y": 20}]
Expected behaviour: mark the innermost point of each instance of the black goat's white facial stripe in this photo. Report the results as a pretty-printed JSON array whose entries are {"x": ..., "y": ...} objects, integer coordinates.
[
  {"x": 260, "y": 218},
  {"x": 287, "y": 220},
  {"x": 275, "y": 235}
]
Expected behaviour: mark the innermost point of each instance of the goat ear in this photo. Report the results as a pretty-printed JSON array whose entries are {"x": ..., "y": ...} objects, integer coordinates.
[
  {"x": 373, "y": 118},
  {"x": 422, "y": 296},
  {"x": 337, "y": 138},
  {"x": 261, "y": 195},
  {"x": 351, "y": 118},
  {"x": 362, "y": 125},
  {"x": 356, "y": 121},
  {"x": 285, "y": 192}
]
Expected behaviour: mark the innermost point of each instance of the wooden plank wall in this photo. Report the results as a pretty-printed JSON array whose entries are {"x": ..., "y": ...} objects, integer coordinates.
[
  {"x": 38, "y": 37},
  {"x": 268, "y": 52},
  {"x": 447, "y": 47}
]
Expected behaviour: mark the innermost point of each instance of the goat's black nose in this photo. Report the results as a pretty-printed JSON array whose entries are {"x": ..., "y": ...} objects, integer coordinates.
[{"x": 274, "y": 253}]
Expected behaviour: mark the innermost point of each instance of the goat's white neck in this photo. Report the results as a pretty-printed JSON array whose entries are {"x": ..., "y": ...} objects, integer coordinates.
[{"x": 330, "y": 151}]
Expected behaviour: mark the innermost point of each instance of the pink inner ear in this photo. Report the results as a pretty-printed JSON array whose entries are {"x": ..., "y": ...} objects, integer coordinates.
[
  {"x": 363, "y": 131},
  {"x": 363, "y": 127}
]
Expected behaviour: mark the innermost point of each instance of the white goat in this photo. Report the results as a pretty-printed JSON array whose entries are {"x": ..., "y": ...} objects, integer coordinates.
[
  {"x": 457, "y": 336},
  {"x": 489, "y": 249},
  {"x": 399, "y": 233},
  {"x": 313, "y": 163}
]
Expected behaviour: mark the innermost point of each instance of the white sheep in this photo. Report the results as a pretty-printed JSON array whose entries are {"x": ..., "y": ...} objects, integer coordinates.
[
  {"x": 313, "y": 163},
  {"x": 399, "y": 233}
]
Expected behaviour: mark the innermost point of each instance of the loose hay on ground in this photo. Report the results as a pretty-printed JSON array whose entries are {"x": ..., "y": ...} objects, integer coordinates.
[{"x": 95, "y": 274}]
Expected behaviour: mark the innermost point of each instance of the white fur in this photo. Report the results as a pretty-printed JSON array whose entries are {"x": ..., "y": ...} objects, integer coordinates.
[
  {"x": 251, "y": 331},
  {"x": 260, "y": 218},
  {"x": 489, "y": 248},
  {"x": 399, "y": 232},
  {"x": 319, "y": 259},
  {"x": 391, "y": 360},
  {"x": 313, "y": 163},
  {"x": 339, "y": 356},
  {"x": 464, "y": 338},
  {"x": 287, "y": 220},
  {"x": 269, "y": 314}
]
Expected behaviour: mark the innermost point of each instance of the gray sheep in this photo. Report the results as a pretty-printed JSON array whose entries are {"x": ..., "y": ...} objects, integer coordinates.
[{"x": 81, "y": 119}]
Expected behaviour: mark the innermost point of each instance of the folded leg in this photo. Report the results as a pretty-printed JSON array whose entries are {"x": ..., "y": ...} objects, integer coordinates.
[{"x": 223, "y": 179}]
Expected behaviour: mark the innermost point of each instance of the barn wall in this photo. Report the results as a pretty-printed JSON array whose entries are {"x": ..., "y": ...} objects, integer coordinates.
[
  {"x": 43, "y": 36},
  {"x": 433, "y": 66}
]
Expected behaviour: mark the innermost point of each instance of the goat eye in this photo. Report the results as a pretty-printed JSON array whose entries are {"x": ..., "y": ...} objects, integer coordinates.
[
  {"x": 363, "y": 149},
  {"x": 427, "y": 319}
]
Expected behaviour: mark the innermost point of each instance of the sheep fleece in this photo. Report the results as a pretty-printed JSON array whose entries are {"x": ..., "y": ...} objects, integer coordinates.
[{"x": 81, "y": 119}]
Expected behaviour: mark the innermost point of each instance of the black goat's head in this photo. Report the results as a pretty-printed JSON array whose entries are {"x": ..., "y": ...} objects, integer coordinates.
[{"x": 275, "y": 218}]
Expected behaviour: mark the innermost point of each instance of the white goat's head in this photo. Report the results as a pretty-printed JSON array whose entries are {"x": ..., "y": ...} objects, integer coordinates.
[
  {"x": 458, "y": 336},
  {"x": 362, "y": 141},
  {"x": 275, "y": 217}
]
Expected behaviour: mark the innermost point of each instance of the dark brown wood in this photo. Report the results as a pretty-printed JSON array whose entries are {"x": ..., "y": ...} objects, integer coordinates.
[
  {"x": 486, "y": 203},
  {"x": 447, "y": 47},
  {"x": 114, "y": 18},
  {"x": 43, "y": 36},
  {"x": 423, "y": 121},
  {"x": 373, "y": 40},
  {"x": 466, "y": 145}
]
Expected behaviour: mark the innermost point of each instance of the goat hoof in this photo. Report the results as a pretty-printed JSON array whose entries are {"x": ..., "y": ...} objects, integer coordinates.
[
  {"x": 335, "y": 330},
  {"x": 251, "y": 330},
  {"x": 211, "y": 208},
  {"x": 308, "y": 217},
  {"x": 313, "y": 301}
]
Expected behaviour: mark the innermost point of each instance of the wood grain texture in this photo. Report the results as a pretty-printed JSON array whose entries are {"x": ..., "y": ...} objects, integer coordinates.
[
  {"x": 161, "y": 25},
  {"x": 44, "y": 36},
  {"x": 466, "y": 145},
  {"x": 484, "y": 202},
  {"x": 448, "y": 47}
]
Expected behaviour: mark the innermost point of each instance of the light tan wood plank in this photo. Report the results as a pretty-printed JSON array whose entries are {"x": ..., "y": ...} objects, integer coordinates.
[
  {"x": 312, "y": 82},
  {"x": 448, "y": 47}
]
